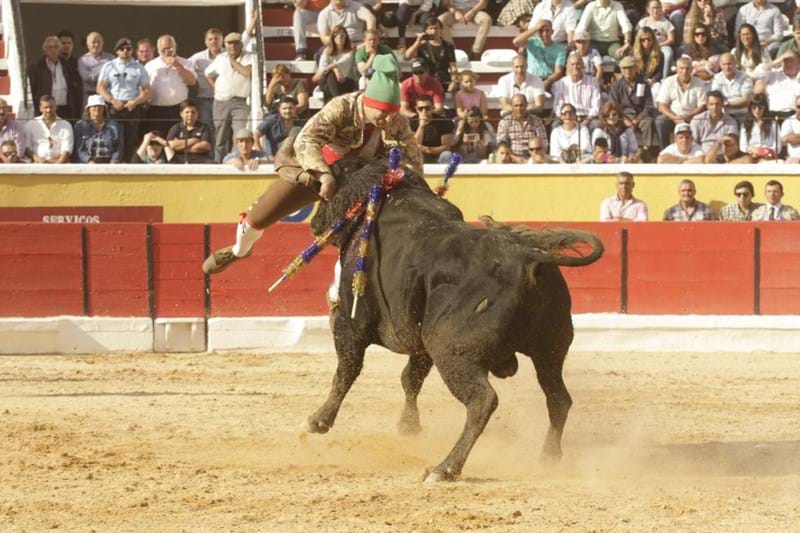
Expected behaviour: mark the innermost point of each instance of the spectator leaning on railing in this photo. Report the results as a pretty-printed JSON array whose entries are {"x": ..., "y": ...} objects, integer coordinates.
[
  {"x": 684, "y": 149},
  {"x": 244, "y": 157},
  {"x": 623, "y": 206},
  {"x": 154, "y": 150},
  {"x": 190, "y": 139},
  {"x": 726, "y": 150}
]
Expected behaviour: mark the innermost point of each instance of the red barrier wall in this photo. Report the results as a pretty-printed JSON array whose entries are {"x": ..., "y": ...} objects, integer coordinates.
[
  {"x": 780, "y": 269},
  {"x": 178, "y": 279},
  {"x": 117, "y": 269},
  {"x": 42, "y": 271}
]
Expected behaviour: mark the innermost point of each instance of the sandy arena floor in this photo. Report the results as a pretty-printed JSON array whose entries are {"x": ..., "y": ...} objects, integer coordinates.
[{"x": 211, "y": 442}]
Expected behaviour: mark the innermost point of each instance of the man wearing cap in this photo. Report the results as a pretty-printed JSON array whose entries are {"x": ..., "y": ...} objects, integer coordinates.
[
  {"x": 781, "y": 86},
  {"x": 520, "y": 81},
  {"x": 561, "y": 14},
  {"x": 230, "y": 75},
  {"x": 244, "y": 157},
  {"x": 684, "y": 149},
  {"x": 363, "y": 125},
  {"x": 125, "y": 86},
  {"x": 420, "y": 82},
  {"x": 632, "y": 94},
  {"x": 170, "y": 79},
  {"x": 546, "y": 58}
]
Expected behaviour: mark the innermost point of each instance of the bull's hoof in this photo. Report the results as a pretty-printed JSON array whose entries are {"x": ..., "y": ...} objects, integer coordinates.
[
  {"x": 317, "y": 426},
  {"x": 436, "y": 475},
  {"x": 550, "y": 456},
  {"x": 408, "y": 426}
]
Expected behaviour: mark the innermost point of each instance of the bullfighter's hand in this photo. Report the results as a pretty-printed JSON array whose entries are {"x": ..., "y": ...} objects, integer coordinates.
[{"x": 328, "y": 186}]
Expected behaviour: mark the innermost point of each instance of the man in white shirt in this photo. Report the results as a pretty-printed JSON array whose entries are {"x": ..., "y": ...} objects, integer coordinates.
[
  {"x": 578, "y": 89},
  {"x": 519, "y": 81},
  {"x": 170, "y": 79},
  {"x": 790, "y": 134},
  {"x": 350, "y": 14},
  {"x": 774, "y": 209},
  {"x": 623, "y": 206},
  {"x": 205, "y": 92},
  {"x": 767, "y": 20},
  {"x": 230, "y": 75},
  {"x": 48, "y": 139},
  {"x": 681, "y": 97},
  {"x": 563, "y": 16},
  {"x": 735, "y": 86},
  {"x": 606, "y": 21},
  {"x": 467, "y": 12},
  {"x": 684, "y": 149},
  {"x": 782, "y": 86}
]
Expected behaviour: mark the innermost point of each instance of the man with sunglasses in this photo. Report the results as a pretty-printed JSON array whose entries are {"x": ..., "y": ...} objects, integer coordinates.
[
  {"x": 434, "y": 133},
  {"x": 125, "y": 86},
  {"x": 420, "y": 82},
  {"x": 742, "y": 209},
  {"x": 9, "y": 153}
]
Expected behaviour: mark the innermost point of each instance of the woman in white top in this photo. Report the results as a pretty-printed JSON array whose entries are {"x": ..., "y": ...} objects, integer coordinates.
[
  {"x": 751, "y": 58},
  {"x": 337, "y": 73},
  {"x": 759, "y": 130},
  {"x": 664, "y": 30},
  {"x": 622, "y": 143},
  {"x": 568, "y": 133}
]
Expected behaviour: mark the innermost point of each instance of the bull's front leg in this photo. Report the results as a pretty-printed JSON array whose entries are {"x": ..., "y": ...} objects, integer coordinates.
[
  {"x": 351, "y": 360},
  {"x": 413, "y": 377}
]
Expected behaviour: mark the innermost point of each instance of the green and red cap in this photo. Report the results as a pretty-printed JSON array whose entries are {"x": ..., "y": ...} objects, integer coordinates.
[{"x": 383, "y": 89}]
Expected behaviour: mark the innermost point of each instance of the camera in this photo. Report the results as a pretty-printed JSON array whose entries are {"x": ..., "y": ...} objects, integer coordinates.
[{"x": 471, "y": 137}]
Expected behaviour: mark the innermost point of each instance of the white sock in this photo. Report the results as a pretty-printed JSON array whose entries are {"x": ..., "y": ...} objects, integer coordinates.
[
  {"x": 333, "y": 290},
  {"x": 246, "y": 236}
]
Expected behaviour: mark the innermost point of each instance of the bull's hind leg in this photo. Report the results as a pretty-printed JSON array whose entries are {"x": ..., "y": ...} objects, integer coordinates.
[
  {"x": 414, "y": 375},
  {"x": 351, "y": 359},
  {"x": 470, "y": 384},
  {"x": 549, "y": 366}
]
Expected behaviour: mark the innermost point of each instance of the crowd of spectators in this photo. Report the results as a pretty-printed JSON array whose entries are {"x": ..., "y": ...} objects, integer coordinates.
[{"x": 596, "y": 81}]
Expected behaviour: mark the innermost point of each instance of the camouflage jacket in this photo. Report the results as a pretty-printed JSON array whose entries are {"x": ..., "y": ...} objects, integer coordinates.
[{"x": 340, "y": 124}]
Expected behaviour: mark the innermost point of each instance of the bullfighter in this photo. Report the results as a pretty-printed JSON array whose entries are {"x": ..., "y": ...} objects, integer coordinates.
[{"x": 360, "y": 124}]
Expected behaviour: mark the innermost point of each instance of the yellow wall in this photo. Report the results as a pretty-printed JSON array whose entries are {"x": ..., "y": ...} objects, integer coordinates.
[{"x": 220, "y": 197}]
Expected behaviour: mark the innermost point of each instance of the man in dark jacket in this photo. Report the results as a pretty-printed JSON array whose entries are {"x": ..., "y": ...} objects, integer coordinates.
[{"x": 51, "y": 75}]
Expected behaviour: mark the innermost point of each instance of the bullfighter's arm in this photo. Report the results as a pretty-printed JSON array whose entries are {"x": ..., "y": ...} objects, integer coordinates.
[{"x": 320, "y": 130}]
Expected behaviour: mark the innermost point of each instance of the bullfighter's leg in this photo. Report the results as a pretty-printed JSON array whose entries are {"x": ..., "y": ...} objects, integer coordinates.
[
  {"x": 469, "y": 383},
  {"x": 549, "y": 367},
  {"x": 351, "y": 359},
  {"x": 414, "y": 375}
]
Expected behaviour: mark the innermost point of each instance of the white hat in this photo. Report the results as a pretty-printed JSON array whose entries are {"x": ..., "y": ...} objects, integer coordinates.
[{"x": 95, "y": 100}]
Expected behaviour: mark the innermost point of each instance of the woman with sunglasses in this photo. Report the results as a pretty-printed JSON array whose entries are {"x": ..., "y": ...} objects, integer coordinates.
[
  {"x": 648, "y": 56},
  {"x": 713, "y": 17},
  {"x": 751, "y": 57},
  {"x": 705, "y": 59},
  {"x": 569, "y": 134},
  {"x": 760, "y": 135},
  {"x": 622, "y": 145},
  {"x": 336, "y": 74},
  {"x": 664, "y": 32}
]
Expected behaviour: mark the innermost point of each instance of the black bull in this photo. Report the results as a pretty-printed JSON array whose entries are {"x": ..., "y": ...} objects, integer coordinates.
[{"x": 466, "y": 299}]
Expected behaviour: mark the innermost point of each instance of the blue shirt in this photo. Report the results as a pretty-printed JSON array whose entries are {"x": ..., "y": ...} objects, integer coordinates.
[
  {"x": 101, "y": 146},
  {"x": 274, "y": 130},
  {"x": 542, "y": 60},
  {"x": 124, "y": 79}
]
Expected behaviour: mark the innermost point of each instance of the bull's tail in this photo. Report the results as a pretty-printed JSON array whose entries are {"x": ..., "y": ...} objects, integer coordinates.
[{"x": 548, "y": 245}]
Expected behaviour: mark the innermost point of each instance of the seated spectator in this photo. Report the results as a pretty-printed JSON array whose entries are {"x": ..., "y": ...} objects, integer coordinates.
[
  {"x": 781, "y": 86},
  {"x": 10, "y": 130},
  {"x": 304, "y": 19},
  {"x": 48, "y": 138},
  {"x": 648, "y": 56},
  {"x": 792, "y": 44},
  {"x": 606, "y": 22},
  {"x": 438, "y": 54},
  {"x": 145, "y": 51},
  {"x": 336, "y": 73},
  {"x": 760, "y": 135},
  {"x": 91, "y": 63},
  {"x": 51, "y": 76},
  {"x": 546, "y": 58},
  {"x": 688, "y": 209},
  {"x": 502, "y": 153},
  {"x": 578, "y": 89},
  {"x": 154, "y": 150},
  {"x": 713, "y": 17},
  {"x": 790, "y": 134},
  {"x": 467, "y": 12},
  {"x": 9, "y": 153},
  {"x": 468, "y": 96},
  {"x": 434, "y": 133},
  {"x": 170, "y": 79},
  {"x": 562, "y": 16},
  {"x": 244, "y": 157},
  {"x": 420, "y": 82},
  {"x": 569, "y": 134},
  {"x": 773, "y": 209},
  {"x": 97, "y": 139},
  {"x": 519, "y": 127},
  {"x": 742, "y": 209},
  {"x": 474, "y": 137},
  {"x": 621, "y": 139},
  {"x": 519, "y": 80},
  {"x": 408, "y": 11},
  {"x": 750, "y": 57},
  {"x": 736, "y": 86},
  {"x": 766, "y": 19},
  {"x": 282, "y": 84},
  {"x": 684, "y": 149},
  {"x": 703, "y": 53},
  {"x": 190, "y": 139},
  {"x": 276, "y": 127},
  {"x": 709, "y": 126},
  {"x": 664, "y": 33},
  {"x": 592, "y": 62},
  {"x": 632, "y": 95},
  {"x": 726, "y": 150},
  {"x": 600, "y": 153},
  {"x": 371, "y": 48},
  {"x": 675, "y": 11},
  {"x": 623, "y": 206},
  {"x": 538, "y": 152},
  {"x": 680, "y": 98},
  {"x": 352, "y": 15}
]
